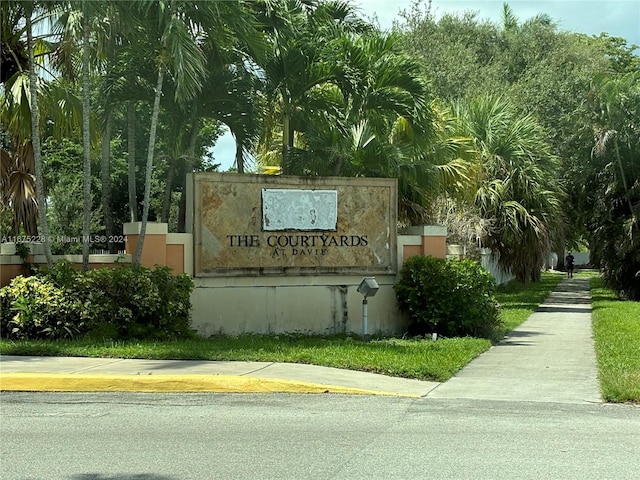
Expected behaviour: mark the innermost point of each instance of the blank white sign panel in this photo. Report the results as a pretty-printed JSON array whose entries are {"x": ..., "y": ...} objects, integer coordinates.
[{"x": 290, "y": 209}]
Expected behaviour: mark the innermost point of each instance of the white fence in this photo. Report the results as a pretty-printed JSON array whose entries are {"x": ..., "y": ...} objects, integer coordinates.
[{"x": 489, "y": 262}]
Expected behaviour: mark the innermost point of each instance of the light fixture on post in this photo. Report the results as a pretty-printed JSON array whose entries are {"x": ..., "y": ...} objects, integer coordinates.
[{"x": 368, "y": 288}]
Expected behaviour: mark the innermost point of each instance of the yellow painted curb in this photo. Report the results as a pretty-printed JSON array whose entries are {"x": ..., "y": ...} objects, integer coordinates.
[{"x": 60, "y": 382}]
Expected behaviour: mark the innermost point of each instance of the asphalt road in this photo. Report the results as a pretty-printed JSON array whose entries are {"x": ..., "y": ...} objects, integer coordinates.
[{"x": 113, "y": 436}]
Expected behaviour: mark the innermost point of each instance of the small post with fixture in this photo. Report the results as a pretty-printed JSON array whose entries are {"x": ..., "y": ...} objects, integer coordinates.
[{"x": 368, "y": 288}]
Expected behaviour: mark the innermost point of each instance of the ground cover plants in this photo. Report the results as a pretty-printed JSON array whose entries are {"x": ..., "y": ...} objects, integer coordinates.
[
  {"x": 616, "y": 333},
  {"x": 403, "y": 357}
]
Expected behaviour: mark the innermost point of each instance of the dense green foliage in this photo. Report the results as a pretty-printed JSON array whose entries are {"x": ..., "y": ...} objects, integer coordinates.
[
  {"x": 580, "y": 95},
  {"x": 610, "y": 189},
  {"x": 123, "y": 302},
  {"x": 448, "y": 297},
  {"x": 310, "y": 88},
  {"x": 34, "y": 307},
  {"x": 616, "y": 333}
]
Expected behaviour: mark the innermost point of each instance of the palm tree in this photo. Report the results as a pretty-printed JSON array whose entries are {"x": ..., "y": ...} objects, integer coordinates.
[
  {"x": 232, "y": 93},
  {"x": 86, "y": 137},
  {"x": 612, "y": 181},
  {"x": 127, "y": 80},
  {"x": 58, "y": 109},
  {"x": 131, "y": 160},
  {"x": 230, "y": 96},
  {"x": 176, "y": 44},
  {"x": 180, "y": 139},
  {"x": 301, "y": 64},
  {"x": 518, "y": 193},
  {"x": 77, "y": 26},
  {"x": 611, "y": 96},
  {"x": 179, "y": 29},
  {"x": 443, "y": 166},
  {"x": 239, "y": 105},
  {"x": 14, "y": 54},
  {"x": 17, "y": 183},
  {"x": 30, "y": 8},
  {"x": 112, "y": 37},
  {"x": 17, "y": 168},
  {"x": 107, "y": 36},
  {"x": 117, "y": 77},
  {"x": 375, "y": 119}
]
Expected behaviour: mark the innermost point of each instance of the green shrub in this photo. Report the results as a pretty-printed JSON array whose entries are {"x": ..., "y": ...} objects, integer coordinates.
[
  {"x": 63, "y": 274},
  {"x": 175, "y": 307},
  {"x": 452, "y": 298},
  {"x": 119, "y": 303},
  {"x": 137, "y": 302},
  {"x": 34, "y": 307}
]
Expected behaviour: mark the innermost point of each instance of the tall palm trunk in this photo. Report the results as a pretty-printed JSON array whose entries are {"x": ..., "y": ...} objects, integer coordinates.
[
  {"x": 168, "y": 187},
  {"x": 147, "y": 178},
  {"x": 131, "y": 141},
  {"x": 239, "y": 153},
  {"x": 182, "y": 209},
  {"x": 35, "y": 140},
  {"x": 623, "y": 176},
  {"x": 287, "y": 136},
  {"x": 338, "y": 166},
  {"x": 189, "y": 161},
  {"x": 86, "y": 141},
  {"x": 105, "y": 175}
]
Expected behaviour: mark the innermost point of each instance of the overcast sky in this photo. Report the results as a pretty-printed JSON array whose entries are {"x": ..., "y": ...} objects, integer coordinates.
[{"x": 618, "y": 18}]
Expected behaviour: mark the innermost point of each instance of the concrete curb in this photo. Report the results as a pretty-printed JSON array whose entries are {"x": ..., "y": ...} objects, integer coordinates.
[{"x": 59, "y": 382}]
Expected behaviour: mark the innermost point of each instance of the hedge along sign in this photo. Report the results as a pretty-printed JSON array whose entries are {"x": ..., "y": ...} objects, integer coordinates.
[{"x": 272, "y": 225}]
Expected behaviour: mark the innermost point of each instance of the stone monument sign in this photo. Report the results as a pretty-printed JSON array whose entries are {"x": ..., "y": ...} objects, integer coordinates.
[{"x": 279, "y": 225}]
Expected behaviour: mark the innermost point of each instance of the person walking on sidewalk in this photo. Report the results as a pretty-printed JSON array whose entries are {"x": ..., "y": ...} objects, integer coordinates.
[{"x": 569, "y": 264}]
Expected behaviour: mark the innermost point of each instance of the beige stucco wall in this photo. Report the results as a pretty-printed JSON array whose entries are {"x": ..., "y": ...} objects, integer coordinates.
[
  {"x": 154, "y": 250},
  {"x": 174, "y": 250},
  {"x": 180, "y": 252},
  {"x": 10, "y": 267},
  {"x": 321, "y": 305},
  {"x": 434, "y": 239}
]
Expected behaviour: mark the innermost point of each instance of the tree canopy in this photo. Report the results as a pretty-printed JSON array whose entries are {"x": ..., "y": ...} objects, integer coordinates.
[{"x": 529, "y": 131}]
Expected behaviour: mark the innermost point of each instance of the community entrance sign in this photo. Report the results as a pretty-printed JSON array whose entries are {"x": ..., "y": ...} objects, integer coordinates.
[{"x": 272, "y": 225}]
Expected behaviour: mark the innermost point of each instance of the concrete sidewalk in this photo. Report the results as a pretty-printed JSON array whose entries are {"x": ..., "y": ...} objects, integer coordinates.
[
  {"x": 109, "y": 374},
  {"x": 549, "y": 358}
]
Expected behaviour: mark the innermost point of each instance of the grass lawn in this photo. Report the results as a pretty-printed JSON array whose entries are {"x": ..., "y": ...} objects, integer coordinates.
[
  {"x": 410, "y": 358},
  {"x": 421, "y": 359},
  {"x": 616, "y": 331}
]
